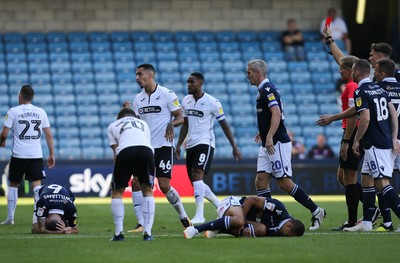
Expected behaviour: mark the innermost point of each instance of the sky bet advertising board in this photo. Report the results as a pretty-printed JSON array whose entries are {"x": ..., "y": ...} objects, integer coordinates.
[{"x": 224, "y": 178}]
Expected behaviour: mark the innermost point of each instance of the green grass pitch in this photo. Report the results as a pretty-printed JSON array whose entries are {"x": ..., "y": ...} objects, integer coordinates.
[{"x": 96, "y": 228}]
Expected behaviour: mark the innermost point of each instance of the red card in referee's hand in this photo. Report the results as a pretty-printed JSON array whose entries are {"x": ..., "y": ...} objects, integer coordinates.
[{"x": 328, "y": 21}]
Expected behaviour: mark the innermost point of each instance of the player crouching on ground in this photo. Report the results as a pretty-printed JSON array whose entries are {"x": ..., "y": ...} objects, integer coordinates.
[{"x": 250, "y": 217}]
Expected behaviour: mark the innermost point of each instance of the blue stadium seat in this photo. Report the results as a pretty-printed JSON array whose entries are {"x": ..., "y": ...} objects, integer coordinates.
[
  {"x": 66, "y": 121},
  {"x": 204, "y": 36},
  {"x": 123, "y": 57},
  {"x": 102, "y": 56},
  {"x": 312, "y": 131},
  {"x": 233, "y": 66},
  {"x": 63, "y": 88},
  {"x": 188, "y": 56},
  {"x": 207, "y": 46},
  {"x": 37, "y": 48},
  {"x": 105, "y": 67},
  {"x": 168, "y": 66},
  {"x": 304, "y": 87},
  {"x": 17, "y": 68},
  {"x": 143, "y": 46},
  {"x": 304, "y": 98},
  {"x": 93, "y": 153},
  {"x": 13, "y": 37},
  {"x": 170, "y": 77},
  {"x": 120, "y": 36},
  {"x": 56, "y": 37},
  {"x": 209, "y": 56},
  {"x": 104, "y": 88},
  {"x": 269, "y": 36},
  {"x": 236, "y": 77},
  {"x": 70, "y": 153},
  {"x": 71, "y": 132},
  {"x": 210, "y": 66},
  {"x": 58, "y": 47},
  {"x": 246, "y": 56},
  {"x": 65, "y": 110},
  {"x": 162, "y": 36},
  {"x": 285, "y": 88},
  {"x": 91, "y": 133},
  {"x": 88, "y": 142},
  {"x": 104, "y": 77},
  {"x": 40, "y": 79},
  {"x": 328, "y": 108},
  {"x": 122, "y": 47},
  {"x": 239, "y": 98},
  {"x": 3, "y": 82},
  {"x": 43, "y": 99},
  {"x": 188, "y": 67},
  {"x": 98, "y": 36},
  {"x": 311, "y": 36},
  {"x": 186, "y": 47},
  {"x": 16, "y": 57},
  {"x": 89, "y": 98},
  {"x": 38, "y": 58},
  {"x": 60, "y": 67},
  {"x": 231, "y": 56},
  {"x": 307, "y": 120},
  {"x": 59, "y": 57},
  {"x": 308, "y": 109},
  {"x": 225, "y": 36},
  {"x": 321, "y": 78},
  {"x": 146, "y": 57},
  {"x": 273, "y": 56},
  {"x": 167, "y": 56},
  {"x": 111, "y": 109},
  {"x": 18, "y": 79},
  {"x": 140, "y": 36},
  {"x": 79, "y": 47},
  {"x": 69, "y": 142},
  {"x": 81, "y": 57},
  {"x": 126, "y": 77},
  {"x": 250, "y": 47},
  {"x": 277, "y": 78},
  {"x": 107, "y": 99},
  {"x": 106, "y": 120},
  {"x": 61, "y": 78},
  {"x": 214, "y": 77},
  {"x": 88, "y": 121},
  {"x": 82, "y": 78},
  {"x": 100, "y": 47},
  {"x": 319, "y": 66},
  {"x": 271, "y": 46},
  {"x": 316, "y": 56},
  {"x": 228, "y": 46},
  {"x": 314, "y": 46},
  {"x": 15, "y": 48},
  {"x": 126, "y": 67},
  {"x": 297, "y": 66},
  {"x": 247, "y": 36},
  {"x": 38, "y": 68},
  {"x": 277, "y": 66},
  {"x": 326, "y": 88},
  {"x": 184, "y": 36},
  {"x": 35, "y": 37},
  {"x": 81, "y": 67},
  {"x": 77, "y": 37}
]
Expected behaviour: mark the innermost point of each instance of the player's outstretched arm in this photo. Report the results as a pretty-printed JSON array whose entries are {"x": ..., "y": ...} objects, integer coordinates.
[{"x": 326, "y": 119}]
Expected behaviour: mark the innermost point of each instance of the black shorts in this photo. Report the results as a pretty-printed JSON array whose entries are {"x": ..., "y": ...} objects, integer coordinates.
[
  {"x": 353, "y": 161},
  {"x": 31, "y": 168},
  {"x": 199, "y": 157},
  {"x": 134, "y": 160},
  {"x": 164, "y": 161}
]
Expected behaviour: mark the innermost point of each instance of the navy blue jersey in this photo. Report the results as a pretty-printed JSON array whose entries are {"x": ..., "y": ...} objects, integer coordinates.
[
  {"x": 393, "y": 91},
  {"x": 272, "y": 216},
  {"x": 56, "y": 199},
  {"x": 268, "y": 96},
  {"x": 397, "y": 74},
  {"x": 371, "y": 96}
]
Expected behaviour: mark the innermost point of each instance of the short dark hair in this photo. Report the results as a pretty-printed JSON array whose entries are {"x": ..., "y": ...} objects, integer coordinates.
[
  {"x": 27, "y": 92},
  {"x": 147, "y": 67},
  {"x": 383, "y": 48},
  {"x": 125, "y": 112},
  {"x": 387, "y": 66},
  {"x": 197, "y": 75},
  {"x": 51, "y": 223},
  {"x": 298, "y": 227},
  {"x": 363, "y": 66}
]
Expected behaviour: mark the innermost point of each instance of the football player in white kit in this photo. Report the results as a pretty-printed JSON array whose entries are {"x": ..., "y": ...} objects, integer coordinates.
[
  {"x": 200, "y": 110},
  {"x": 27, "y": 123},
  {"x": 159, "y": 107},
  {"x": 133, "y": 154}
]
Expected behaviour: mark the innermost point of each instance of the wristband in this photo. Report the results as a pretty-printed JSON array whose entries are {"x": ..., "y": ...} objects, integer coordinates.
[
  {"x": 345, "y": 141},
  {"x": 329, "y": 41},
  {"x": 328, "y": 37}
]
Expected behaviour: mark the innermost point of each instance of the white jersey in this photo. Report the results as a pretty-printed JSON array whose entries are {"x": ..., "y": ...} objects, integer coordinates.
[
  {"x": 201, "y": 115},
  {"x": 27, "y": 122},
  {"x": 155, "y": 109},
  {"x": 127, "y": 132}
]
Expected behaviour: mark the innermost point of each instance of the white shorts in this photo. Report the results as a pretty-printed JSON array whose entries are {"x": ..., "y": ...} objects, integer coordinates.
[
  {"x": 279, "y": 164},
  {"x": 378, "y": 162},
  {"x": 226, "y": 204}
]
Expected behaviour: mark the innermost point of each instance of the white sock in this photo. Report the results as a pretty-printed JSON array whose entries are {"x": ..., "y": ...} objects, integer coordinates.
[
  {"x": 35, "y": 198},
  {"x": 12, "y": 199},
  {"x": 137, "y": 200},
  {"x": 175, "y": 200},
  {"x": 199, "y": 198},
  {"x": 149, "y": 208},
  {"x": 210, "y": 196},
  {"x": 118, "y": 212}
]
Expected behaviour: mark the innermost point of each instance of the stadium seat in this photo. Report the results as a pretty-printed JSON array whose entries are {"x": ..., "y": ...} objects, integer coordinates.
[
  {"x": 108, "y": 99},
  {"x": 38, "y": 68},
  {"x": 79, "y": 47},
  {"x": 233, "y": 66},
  {"x": 188, "y": 67},
  {"x": 89, "y": 98},
  {"x": 98, "y": 36},
  {"x": 277, "y": 66},
  {"x": 184, "y": 36},
  {"x": 162, "y": 37},
  {"x": 35, "y": 37},
  {"x": 166, "y": 56},
  {"x": 38, "y": 58},
  {"x": 321, "y": 78},
  {"x": 298, "y": 66},
  {"x": 71, "y": 132},
  {"x": 313, "y": 46},
  {"x": 209, "y": 56},
  {"x": 247, "y": 36},
  {"x": 269, "y": 36},
  {"x": 319, "y": 66},
  {"x": 36, "y": 48},
  {"x": 308, "y": 109},
  {"x": 207, "y": 46},
  {"x": 106, "y": 88},
  {"x": 228, "y": 46},
  {"x": 77, "y": 37},
  {"x": 120, "y": 36},
  {"x": 204, "y": 36},
  {"x": 100, "y": 47},
  {"x": 225, "y": 36},
  {"x": 56, "y": 37},
  {"x": 66, "y": 121},
  {"x": 143, "y": 46},
  {"x": 65, "y": 110},
  {"x": 168, "y": 66},
  {"x": 63, "y": 88},
  {"x": 231, "y": 56},
  {"x": 303, "y": 88},
  {"x": 15, "y": 48},
  {"x": 122, "y": 47},
  {"x": 13, "y": 37},
  {"x": 140, "y": 36},
  {"x": 90, "y": 133},
  {"x": 61, "y": 78},
  {"x": 211, "y": 66},
  {"x": 88, "y": 142},
  {"x": 304, "y": 98},
  {"x": 70, "y": 153},
  {"x": 93, "y": 153},
  {"x": 273, "y": 56},
  {"x": 271, "y": 46}
]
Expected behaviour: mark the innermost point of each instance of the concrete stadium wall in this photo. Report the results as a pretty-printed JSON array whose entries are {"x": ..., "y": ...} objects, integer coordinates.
[{"x": 150, "y": 15}]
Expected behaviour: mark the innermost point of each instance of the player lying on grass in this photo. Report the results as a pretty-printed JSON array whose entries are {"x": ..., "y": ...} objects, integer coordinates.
[
  {"x": 55, "y": 211},
  {"x": 250, "y": 217}
]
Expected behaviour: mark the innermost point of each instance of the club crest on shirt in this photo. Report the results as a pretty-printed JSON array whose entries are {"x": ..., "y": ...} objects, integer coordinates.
[
  {"x": 358, "y": 101},
  {"x": 271, "y": 97}
]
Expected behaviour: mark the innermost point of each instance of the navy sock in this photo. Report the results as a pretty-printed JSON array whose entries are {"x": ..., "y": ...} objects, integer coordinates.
[
  {"x": 392, "y": 199},
  {"x": 352, "y": 199},
  {"x": 300, "y": 196},
  {"x": 369, "y": 203},
  {"x": 360, "y": 191},
  {"x": 266, "y": 192},
  {"x": 384, "y": 207},
  {"x": 222, "y": 223}
]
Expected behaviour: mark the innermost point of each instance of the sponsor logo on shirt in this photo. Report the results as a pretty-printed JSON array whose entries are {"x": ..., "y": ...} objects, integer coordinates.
[
  {"x": 221, "y": 111},
  {"x": 176, "y": 103},
  {"x": 271, "y": 97},
  {"x": 195, "y": 113},
  {"x": 358, "y": 101},
  {"x": 150, "y": 109}
]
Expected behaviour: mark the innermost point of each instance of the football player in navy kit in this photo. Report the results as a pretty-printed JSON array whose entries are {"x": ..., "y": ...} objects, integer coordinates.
[
  {"x": 274, "y": 157},
  {"x": 56, "y": 211},
  {"x": 200, "y": 110},
  {"x": 378, "y": 127},
  {"x": 159, "y": 107},
  {"x": 133, "y": 154},
  {"x": 253, "y": 216},
  {"x": 28, "y": 123}
]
